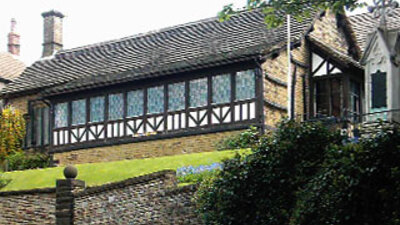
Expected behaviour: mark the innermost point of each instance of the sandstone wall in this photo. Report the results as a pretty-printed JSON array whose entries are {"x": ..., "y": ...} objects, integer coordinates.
[{"x": 146, "y": 149}]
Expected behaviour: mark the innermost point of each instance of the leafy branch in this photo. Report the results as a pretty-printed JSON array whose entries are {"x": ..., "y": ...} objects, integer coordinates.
[{"x": 275, "y": 10}]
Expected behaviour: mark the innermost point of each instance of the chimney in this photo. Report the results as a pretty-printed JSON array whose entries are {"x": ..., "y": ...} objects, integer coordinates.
[
  {"x": 13, "y": 39},
  {"x": 52, "y": 32}
]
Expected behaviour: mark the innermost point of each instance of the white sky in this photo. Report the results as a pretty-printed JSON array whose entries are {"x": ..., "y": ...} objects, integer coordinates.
[{"x": 91, "y": 21}]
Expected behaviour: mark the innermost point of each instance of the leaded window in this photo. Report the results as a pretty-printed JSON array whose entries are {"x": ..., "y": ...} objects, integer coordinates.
[
  {"x": 135, "y": 103},
  {"x": 245, "y": 85},
  {"x": 221, "y": 86},
  {"x": 176, "y": 96},
  {"x": 79, "y": 112},
  {"x": 61, "y": 115},
  {"x": 115, "y": 106},
  {"x": 155, "y": 99},
  {"x": 198, "y": 95},
  {"x": 97, "y": 109}
]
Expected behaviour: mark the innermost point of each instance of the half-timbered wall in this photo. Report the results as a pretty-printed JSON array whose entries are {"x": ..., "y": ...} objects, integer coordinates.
[{"x": 225, "y": 101}]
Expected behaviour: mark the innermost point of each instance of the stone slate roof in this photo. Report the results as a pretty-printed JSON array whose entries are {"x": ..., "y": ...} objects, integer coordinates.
[
  {"x": 180, "y": 48},
  {"x": 10, "y": 66},
  {"x": 345, "y": 59},
  {"x": 364, "y": 23}
]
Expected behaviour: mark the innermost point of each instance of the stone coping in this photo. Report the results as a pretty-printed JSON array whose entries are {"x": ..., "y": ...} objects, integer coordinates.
[
  {"x": 125, "y": 183},
  {"x": 100, "y": 188},
  {"x": 29, "y": 192}
]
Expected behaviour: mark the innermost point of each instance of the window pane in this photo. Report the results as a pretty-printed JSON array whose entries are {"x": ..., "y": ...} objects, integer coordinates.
[
  {"x": 79, "y": 112},
  {"x": 322, "y": 97},
  {"x": 97, "y": 109},
  {"x": 115, "y": 106},
  {"x": 245, "y": 85},
  {"x": 61, "y": 115},
  {"x": 176, "y": 96},
  {"x": 135, "y": 103},
  {"x": 38, "y": 126},
  {"x": 198, "y": 92},
  {"x": 46, "y": 123},
  {"x": 336, "y": 91},
  {"x": 221, "y": 86},
  {"x": 379, "y": 90},
  {"x": 155, "y": 99}
]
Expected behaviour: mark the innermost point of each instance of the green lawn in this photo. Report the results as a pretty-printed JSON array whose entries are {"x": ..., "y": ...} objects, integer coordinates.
[{"x": 101, "y": 173}]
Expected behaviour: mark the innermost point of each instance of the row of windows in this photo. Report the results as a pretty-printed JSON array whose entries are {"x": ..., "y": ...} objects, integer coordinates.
[{"x": 198, "y": 97}]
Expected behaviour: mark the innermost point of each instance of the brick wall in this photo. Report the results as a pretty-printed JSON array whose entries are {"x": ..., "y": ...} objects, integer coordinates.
[
  {"x": 146, "y": 149},
  {"x": 28, "y": 207}
]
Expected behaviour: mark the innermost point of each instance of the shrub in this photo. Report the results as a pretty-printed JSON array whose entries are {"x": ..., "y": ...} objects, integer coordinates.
[
  {"x": 12, "y": 131},
  {"x": 248, "y": 139},
  {"x": 261, "y": 188},
  {"x": 24, "y": 161},
  {"x": 305, "y": 175},
  {"x": 358, "y": 184}
]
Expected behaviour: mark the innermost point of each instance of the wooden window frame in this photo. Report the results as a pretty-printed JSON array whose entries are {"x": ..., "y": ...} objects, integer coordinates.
[{"x": 242, "y": 124}]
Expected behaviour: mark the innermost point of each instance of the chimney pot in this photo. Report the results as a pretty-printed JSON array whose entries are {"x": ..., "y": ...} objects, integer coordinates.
[
  {"x": 13, "y": 39},
  {"x": 52, "y": 32}
]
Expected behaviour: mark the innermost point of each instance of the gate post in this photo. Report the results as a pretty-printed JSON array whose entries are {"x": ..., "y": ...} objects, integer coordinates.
[{"x": 65, "y": 196}]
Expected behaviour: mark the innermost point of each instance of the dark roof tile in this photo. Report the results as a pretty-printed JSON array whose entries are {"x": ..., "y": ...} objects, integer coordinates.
[{"x": 179, "y": 48}]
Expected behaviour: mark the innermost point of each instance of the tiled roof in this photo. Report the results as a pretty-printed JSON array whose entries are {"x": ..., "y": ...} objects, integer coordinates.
[
  {"x": 171, "y": 50},
  {"x": 364, "y": 23},
  {"x": 10, "y": 66},
  {"x": 339, "y": 56}
]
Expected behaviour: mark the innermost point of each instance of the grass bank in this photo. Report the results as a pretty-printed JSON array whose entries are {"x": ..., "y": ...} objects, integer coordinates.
[{"x": 100, "y": 173}]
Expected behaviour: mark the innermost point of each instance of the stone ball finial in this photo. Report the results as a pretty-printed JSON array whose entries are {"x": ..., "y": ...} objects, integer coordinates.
[{"x": 70, "y": 172}]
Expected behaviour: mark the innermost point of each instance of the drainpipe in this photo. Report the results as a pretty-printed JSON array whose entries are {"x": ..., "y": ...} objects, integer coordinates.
[{"x": 289, "y": 74}]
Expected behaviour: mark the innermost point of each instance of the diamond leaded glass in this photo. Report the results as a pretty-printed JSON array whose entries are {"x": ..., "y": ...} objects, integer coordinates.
[
  {"x": 176, "y": 96},
  {"x": 221, "y": 86},
  {"x": 155, "y": 99},
  {"x": 78, "y": 112},
  {"x": 61, "y": 115},
  {"x": 135, "y": 103},
  {"x": 115, "y": 106},
  {"x": 198, "y": 92},
  {"x": 97, "y": 109},
  {"x": 245, "y": 85}
]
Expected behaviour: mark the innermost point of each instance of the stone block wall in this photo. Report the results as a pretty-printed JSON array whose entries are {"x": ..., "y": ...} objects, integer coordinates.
[
  {"x": 276, "y": 84},
  {"x": 28, "y": 207},
  {"x": 152, "y": 199},
  {"x": 21, "y": 103},
  {"x": 149, "y": 199},
  {"x": 146, "y": 149}
]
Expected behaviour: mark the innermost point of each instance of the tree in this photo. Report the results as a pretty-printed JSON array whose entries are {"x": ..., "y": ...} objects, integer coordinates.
[
  {"x": 12, "y": 131},
  {"x": 275, "y": 10}
]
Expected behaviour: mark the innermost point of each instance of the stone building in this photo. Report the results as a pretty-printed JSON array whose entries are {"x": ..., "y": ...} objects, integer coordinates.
[
  {"x": 10, "y": 66},
  {"x": 182, "y": 89}
]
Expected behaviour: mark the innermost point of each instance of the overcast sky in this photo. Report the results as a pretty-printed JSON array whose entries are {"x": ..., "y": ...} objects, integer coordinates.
[{"x": 91, "y": 21}]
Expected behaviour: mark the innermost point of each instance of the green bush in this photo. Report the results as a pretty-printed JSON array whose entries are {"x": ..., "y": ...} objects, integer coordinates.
[
  {"x": 357, "y": 184},
  {"x": 261, "y": 188},
  {"x": 306, "y": 175},
  {"x": 23, "y": 161},
  {"x": 248, "y": 139}
]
